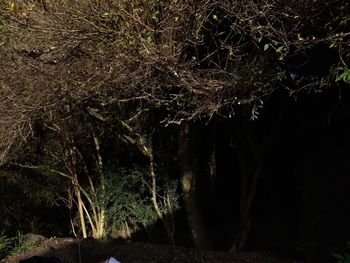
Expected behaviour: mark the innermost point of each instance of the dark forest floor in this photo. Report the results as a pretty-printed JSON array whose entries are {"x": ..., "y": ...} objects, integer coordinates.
[{"x": 71, "y": 250}]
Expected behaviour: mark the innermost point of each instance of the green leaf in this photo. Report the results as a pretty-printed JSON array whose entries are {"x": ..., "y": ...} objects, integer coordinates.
[
  {"x": 138, "y": 10},
  {"x": 266, "y": 46},
  {"x": 149, "y": 39},
  {"x": 344, "y": 76},
  {"x": 280, "y": 49}
]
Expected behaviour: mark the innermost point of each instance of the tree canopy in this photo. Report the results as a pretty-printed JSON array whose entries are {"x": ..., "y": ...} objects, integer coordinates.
[{"x": 182, "y": 59}]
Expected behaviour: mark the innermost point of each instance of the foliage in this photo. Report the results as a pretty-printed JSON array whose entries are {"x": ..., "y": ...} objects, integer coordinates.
[
  {"x": 72, "y": 71},
  {"x": 33, "y": 193},
  {"x": 4, "y": 244},
  {"x": 184, "y": 60},
  {"x": 344, "y": 76},
  {"x": 14, "y": 246},
  {"x": 130, "y": 206},
  {"x": 342, "y": 258},
  {"x": 20, "y": 245},
  {"x": 129, "y": 201}
]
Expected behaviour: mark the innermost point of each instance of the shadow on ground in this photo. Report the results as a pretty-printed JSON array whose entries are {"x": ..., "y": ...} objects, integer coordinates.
[{"x": 70, "y": 250}]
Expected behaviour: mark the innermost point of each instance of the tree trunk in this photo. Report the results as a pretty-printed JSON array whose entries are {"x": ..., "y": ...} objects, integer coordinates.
[
  {"x": 248, "y": 190},
  {"x": 251, "y": 165},
  {"x": 75, "y": 182},
  {"x": 154, "y": 198},
  {"x": 251, "y": 160},
  {"x": 101, "y": 209},
  {"x": 199, "y": 233},
  {"x": 81, "y": 211}
]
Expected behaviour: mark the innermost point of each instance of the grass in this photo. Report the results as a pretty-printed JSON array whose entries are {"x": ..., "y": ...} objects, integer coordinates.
[
  {"x": 20, "y": 245},
  {"x": 4, "y": 245},
  {"x": 13, "y": 246}
]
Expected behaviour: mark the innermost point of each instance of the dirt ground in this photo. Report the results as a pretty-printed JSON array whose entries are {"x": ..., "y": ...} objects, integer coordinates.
[{"x": 71, "y": 250}]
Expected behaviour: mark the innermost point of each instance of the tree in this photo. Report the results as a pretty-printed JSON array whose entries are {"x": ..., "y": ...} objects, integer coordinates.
[{"x": 72, "y": 68}]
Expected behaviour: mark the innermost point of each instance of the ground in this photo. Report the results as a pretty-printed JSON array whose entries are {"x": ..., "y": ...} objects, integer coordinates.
[{"x": 71, "y": 250}]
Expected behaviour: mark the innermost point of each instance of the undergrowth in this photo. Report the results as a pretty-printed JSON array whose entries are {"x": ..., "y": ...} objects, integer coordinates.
[{"x": 14, "y": 246}]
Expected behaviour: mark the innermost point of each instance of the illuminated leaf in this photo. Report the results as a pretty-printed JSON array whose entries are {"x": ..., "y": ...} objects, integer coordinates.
[
  {"x": 280, "y": 49},
  {"x": 344, "y": 76}
]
